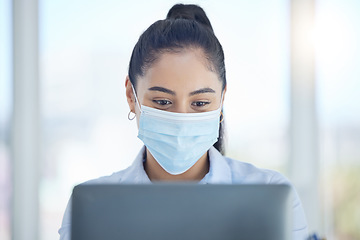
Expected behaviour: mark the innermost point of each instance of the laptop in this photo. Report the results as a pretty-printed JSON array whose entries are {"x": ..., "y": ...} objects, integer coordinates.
[{"x": 181, "y": 211}]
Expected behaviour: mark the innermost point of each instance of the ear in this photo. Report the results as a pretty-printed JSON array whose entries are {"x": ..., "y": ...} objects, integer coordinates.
[
  {"x": 223, "y": 94},
  {"x": 130, "y": 94}
]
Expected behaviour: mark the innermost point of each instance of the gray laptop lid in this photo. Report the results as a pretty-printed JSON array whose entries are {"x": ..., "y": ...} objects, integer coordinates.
[{"x": 181, "y": 211}]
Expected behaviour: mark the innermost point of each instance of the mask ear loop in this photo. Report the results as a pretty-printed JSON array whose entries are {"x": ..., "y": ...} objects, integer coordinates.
[{"x": 136, "y": 99}]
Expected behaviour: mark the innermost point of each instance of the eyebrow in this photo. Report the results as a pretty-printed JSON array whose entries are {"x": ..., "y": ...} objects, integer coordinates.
[
  {"x": 161, "y": 89},
  {"x": 165, "y": 90},
  {"x": 202, "y": 90}
]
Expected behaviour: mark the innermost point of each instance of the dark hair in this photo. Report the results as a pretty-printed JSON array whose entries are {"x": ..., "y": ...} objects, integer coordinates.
[{"x": 186, "y": 26}]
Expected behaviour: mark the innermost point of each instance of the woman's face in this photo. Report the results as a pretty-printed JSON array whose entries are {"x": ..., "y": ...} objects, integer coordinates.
[{"x": 178, "y": 82}]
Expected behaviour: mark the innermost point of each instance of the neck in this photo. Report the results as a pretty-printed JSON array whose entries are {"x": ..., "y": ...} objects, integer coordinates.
[{"x": 156, "y": 173}]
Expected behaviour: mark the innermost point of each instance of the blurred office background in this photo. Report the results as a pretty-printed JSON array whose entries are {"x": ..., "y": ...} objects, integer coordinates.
[{"x": 293, "y": 101}]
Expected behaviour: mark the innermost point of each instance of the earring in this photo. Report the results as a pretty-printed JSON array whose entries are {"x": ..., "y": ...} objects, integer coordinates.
[
  {"x": 221, "y": 117},
  {"x": 131, "y": 118}
]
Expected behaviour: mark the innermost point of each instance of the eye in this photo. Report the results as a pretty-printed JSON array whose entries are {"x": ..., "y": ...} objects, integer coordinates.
[
  {"x": 200, "y": 103},
  {"x": 162, "y": 102}
]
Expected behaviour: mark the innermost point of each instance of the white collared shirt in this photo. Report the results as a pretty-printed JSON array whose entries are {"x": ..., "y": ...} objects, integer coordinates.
[{"x": 222, "y": 170}]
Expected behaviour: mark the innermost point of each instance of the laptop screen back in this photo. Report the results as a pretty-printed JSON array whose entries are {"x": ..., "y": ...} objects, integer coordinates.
[{"x": 181, "y": 211}]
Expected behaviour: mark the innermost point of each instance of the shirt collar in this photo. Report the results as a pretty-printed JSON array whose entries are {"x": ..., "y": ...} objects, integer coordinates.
[
  {"x": 219, "y": 172},
  {"x": 136, "y": 173}
]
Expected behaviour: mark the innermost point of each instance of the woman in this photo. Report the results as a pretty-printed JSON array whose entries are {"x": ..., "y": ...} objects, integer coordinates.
[{"x": 175, "y": 89}]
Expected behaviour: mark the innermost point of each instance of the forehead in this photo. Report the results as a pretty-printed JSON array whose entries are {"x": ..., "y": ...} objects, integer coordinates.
[{"x": 186, "y": 70}]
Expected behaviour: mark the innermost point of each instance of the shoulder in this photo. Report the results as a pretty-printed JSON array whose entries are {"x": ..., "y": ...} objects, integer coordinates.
[
  {"x": 238, "y": 172},
  {"x": 243, "y": 172},
  {"x": 246, "y": 173},
  {"x": 114, "y": 178}
]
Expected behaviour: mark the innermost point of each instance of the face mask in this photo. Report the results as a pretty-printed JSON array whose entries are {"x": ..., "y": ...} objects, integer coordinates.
[{"x": 177, "y": 140}]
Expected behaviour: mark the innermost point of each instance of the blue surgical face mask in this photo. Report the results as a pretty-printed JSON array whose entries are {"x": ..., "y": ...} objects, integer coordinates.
[{"x": 177, "y": 140}]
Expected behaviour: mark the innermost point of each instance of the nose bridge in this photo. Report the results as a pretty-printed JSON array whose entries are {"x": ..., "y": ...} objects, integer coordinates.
[{"x": 182, "y": 106}]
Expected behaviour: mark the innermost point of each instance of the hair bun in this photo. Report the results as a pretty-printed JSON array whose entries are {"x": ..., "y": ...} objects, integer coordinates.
[{"x": 191, "y": 12}]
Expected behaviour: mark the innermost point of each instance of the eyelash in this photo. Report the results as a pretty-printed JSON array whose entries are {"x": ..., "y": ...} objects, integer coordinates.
[
  {"x": 162, "y": 102},
  {"x": 198, "y": 104}
]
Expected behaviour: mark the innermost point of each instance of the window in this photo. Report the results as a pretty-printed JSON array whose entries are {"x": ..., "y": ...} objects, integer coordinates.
[
  {"x": 5, "y": 118},
  {"x": 337, "y": 36},
  {"x": 84, "y": 50}
]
